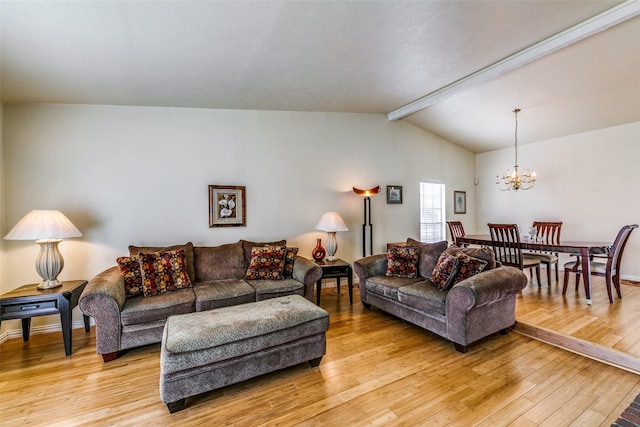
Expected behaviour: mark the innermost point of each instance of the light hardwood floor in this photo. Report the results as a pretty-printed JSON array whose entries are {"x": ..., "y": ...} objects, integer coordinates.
[{"x": 378, "y": 370}]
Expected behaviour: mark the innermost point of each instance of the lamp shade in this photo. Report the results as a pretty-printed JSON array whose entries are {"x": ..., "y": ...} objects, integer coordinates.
[
  {"x": 367, "y": 193},
  {"x": 331, "y": 221},
  {"x": 42, "y": 225}
]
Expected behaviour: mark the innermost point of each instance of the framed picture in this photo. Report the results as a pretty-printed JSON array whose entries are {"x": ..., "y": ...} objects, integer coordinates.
[
  {"x": 459, "y": 202},
  {"x": 394, "y": 194},
  {"x": 227, "y": 206}
]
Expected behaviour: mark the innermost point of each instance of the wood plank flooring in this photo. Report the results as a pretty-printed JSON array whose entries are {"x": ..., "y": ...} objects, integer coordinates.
[{"x": 378, "y": 370}]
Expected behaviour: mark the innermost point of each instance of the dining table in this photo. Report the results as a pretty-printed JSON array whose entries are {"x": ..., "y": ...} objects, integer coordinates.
[{"x": 583, "y": 250}]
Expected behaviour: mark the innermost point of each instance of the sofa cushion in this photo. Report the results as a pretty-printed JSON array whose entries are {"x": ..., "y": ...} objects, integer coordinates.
[
  {"x": 188, "y": 254},
  {"x": 445, "y": 271},
  {"x": 141, "y": 310},
  {"x": 267, "y": 289},
  {"x": 428, "y": 255},
  {"x": 388, "y": 286},
  {"x": 131, "y": 274},
  {"x": 423, "y": 296},
  {"x": 289, "y": 260},
  {"x": 163, "y": 272},
  {"x": 267, "y": 263},
  {"x": 468, "y": 266},
  {"x": 248, "y": 245},
  {"x": 402, "y": 261},
  {"x": 483, "y": 253},
  {"x": 222, "y": 293},
  {"x": 219, "y": 262}
]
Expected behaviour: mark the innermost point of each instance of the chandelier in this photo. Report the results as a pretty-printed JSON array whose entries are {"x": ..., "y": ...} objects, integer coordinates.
[{"x": 512, "y": 180}]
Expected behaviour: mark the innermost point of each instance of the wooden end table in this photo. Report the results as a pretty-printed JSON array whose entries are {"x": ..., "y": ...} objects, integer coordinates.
[
  {"x": 336, "y": 269},
  {"x": 28, "y": 301}
]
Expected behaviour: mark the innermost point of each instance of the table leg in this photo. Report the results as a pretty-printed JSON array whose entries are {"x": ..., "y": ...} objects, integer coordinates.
[
  {"x": 65, "y": 319},
  {"x": 350, "y": 282},
  {"x": 87, "y": 323},
  {"x": 26, "y": 327},
  {"x": 318, "y": 288},
  {"x": 586, "y": 272},
  {"x": 338, "y": 284}
]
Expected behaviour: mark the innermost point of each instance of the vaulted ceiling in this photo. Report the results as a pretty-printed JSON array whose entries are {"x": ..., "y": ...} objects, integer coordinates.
[{"x": 333, "y": 56}]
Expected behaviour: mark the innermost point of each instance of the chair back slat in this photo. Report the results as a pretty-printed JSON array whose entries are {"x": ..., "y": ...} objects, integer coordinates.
[
  {"x": 505, "y": 240},
  {"x": 456, "y": 229},
  {"x": 548, "y": 232}
]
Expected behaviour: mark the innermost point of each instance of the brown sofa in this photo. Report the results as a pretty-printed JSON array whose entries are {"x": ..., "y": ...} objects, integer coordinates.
[
  {"x": 217, "y": 275},
  {"x": 472, "y": 309}
]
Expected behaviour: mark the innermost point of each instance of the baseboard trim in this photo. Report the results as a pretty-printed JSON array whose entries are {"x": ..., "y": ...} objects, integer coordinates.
[
  {"x": 588, "y": 349},
  {"x": 44, "y": 329}
]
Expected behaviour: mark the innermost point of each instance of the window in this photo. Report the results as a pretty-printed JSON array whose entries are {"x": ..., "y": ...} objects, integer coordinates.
[{"x": 432, "y": 212}]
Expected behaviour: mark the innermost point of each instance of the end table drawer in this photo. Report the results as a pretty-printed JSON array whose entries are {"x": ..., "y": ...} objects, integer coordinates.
[
  {"x": 334, "y": 270},
  {"x": 32, "y": 308}
]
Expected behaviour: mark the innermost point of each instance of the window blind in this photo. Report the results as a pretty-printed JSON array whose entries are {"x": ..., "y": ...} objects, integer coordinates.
[{"x": 432, "y": 212}]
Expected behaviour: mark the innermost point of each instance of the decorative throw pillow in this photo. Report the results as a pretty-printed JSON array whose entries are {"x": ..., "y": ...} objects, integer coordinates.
[
  {"x": 484, "y": 253},
  {"x": 402, "y": 262},
  {"x": 247, "y": 245},
  {"x": 289, "y": 259},
  {"x": 267, "y": 263},
  {"x": 188, "y": 254},
  {"x": 444, "y": 271},
  {"x": 163, "y": 272},
  {"x": 130, "y": 271},
  {"x": 428, "y": 255},
  {"x": 468, "y": 266}
]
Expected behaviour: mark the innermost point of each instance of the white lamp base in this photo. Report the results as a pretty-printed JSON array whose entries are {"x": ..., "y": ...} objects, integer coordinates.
[{"x": 49, "y": 263}]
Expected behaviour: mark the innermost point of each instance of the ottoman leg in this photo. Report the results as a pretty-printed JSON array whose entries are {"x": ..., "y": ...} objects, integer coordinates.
[
  {"x": 315, "y": 362},
  {"x": 176, "y": 406}
]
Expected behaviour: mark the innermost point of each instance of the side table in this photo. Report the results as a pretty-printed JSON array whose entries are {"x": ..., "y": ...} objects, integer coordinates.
[
  {"x": 336, "y": 269},
  {"x": 28, "y": 301}
]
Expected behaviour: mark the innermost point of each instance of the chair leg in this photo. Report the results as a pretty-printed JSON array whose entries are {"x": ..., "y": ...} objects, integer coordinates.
[
  {"x": 565, "y": 282},
  {"x": 577, "y": 281},
  {"x": 557, "y": 275},
  {"x": 608, "y": 280},
  {"x": 538, "y": 275},
  {"x": 548, "y": 274},
  {"x": 616, "y": 283}
]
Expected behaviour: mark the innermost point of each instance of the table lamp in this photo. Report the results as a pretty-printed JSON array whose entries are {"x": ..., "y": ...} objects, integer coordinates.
[
  {"x": 47, "y": 228},
  {"x": 331, "y": 222}
]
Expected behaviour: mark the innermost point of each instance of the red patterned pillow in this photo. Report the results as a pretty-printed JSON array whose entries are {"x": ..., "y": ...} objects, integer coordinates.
[
  {"x": 289, "y": 259},
  {"x": 402, "y": 261},
  {"x": 163, "y": 272},
  {"x": 468, "y": 266},
  {"x": 444, "y": 271},
  {"x": 130, "y": 271},
  {"x": 267, "y": 263}
]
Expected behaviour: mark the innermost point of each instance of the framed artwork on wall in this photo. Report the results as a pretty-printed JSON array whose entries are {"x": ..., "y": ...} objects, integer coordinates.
[
  {"x": 459, "y": 202},
  {"x": 227, "y": 206},
  {"x": 394, "y": 194}
]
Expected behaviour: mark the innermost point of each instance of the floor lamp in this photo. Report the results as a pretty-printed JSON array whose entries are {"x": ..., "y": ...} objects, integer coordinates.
[{"x": 367, "y": 194}]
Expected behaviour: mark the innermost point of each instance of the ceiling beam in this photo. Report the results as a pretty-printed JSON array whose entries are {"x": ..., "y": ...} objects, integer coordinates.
[{"x": 620, "y": 13}]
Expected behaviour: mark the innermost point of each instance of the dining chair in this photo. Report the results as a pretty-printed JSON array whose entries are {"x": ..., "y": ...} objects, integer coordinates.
[
  {"x": 547, "y": 232},
  {"x": 505, "y": 240},
  {"x": 610, "y": 268},
  {"x": 457, "y": 230}
]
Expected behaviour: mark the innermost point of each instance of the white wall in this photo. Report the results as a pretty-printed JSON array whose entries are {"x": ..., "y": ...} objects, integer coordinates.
[
  {"x": 589, "y": 181},
  {"x": 140, "y": 175}
]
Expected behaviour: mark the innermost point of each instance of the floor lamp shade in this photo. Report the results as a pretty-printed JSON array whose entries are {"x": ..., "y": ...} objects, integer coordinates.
[
  {"x": 331, "y": 222},
  {"x": 47, "y": 228}
]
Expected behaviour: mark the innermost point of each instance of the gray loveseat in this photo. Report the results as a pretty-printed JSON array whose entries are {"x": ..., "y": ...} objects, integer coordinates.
[
  {"x": 217, "y": 275},
  {"x": 472, "y": 309}
]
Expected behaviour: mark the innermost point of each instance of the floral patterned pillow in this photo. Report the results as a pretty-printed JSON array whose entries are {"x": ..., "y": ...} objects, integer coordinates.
[
  {"x": 132, "y": 275},
  {"x": 163, "y": 272},
  {"x": 444, "y": 271},
  {"x": 468, "y": 266},
  {"x": 402, "y": 262},
  {"x": 267, "y": 263},
  {"x": 289, "y": 259}
]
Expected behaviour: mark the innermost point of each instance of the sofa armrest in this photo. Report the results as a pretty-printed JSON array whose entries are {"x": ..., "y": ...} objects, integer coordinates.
[
  {"x": 370, "y": 266},
  {"x": 308, "y": 273},
  {"x": 103, "y": 299},
  {"x": 483, "y": 304}
]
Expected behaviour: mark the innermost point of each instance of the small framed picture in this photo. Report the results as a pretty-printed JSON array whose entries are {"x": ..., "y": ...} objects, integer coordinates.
[
  {"x": 459, "y": 202},
  {"x": 227, "y": 206},
  {"x": 394, "y": 194}
]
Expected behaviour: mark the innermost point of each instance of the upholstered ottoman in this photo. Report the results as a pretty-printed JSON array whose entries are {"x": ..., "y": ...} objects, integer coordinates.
[{"x": 207, "y": 350}]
